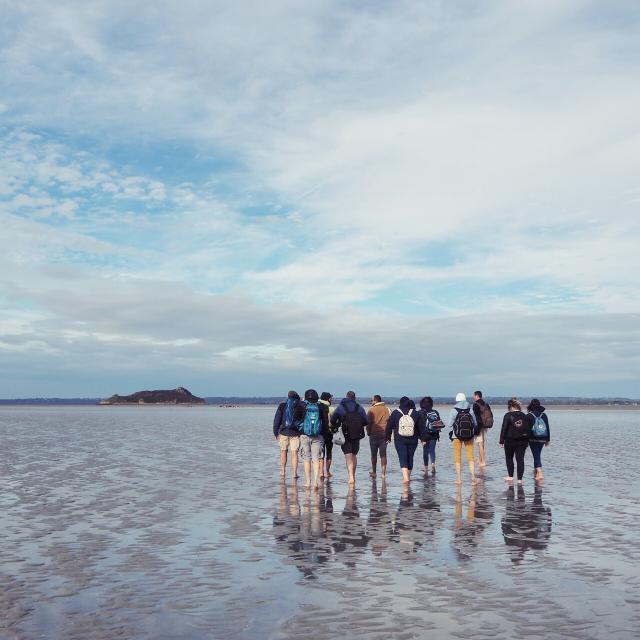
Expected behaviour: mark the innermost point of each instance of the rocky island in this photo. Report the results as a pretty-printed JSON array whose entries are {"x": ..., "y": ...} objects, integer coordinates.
[{"x": 173, "y": 396}]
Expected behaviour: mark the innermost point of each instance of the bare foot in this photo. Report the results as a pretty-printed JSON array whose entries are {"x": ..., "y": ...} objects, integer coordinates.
[
  {"x": 296, "y": 476},
  {"x": 405, "y": 482},
  {"x": 519, "y": 481},
  {"x": 458, "y": 481},
  {"x": 371, "y": 474},
  {"x": 474, "y": 481},
  {"x": 433, "y": 469},
  {"x": 351, "y": 482},
  {"x": 483, "y": 464},
  {"x": 328, "y": 475},
  {"x": 508, "y": 478},
  {"x": 383, "y": 475},
  {"x": 316, "y": 487}
]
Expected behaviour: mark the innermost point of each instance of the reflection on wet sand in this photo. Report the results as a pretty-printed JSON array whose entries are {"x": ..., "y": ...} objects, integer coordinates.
[
  {"x": 525, "y": 524},
  {"x": 129, "y": 523},
  {"x": 470, "y": 522}
]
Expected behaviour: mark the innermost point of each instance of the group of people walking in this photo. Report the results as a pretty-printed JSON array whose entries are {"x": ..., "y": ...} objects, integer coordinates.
[{"x": 312, "y": 426}]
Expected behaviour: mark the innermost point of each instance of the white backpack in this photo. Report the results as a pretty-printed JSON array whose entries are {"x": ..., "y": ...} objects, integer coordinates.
[{"x": 406, "y": 425}]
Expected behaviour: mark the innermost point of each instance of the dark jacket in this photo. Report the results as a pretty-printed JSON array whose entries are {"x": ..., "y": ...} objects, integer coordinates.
[
  {"x": 347, "y": 405},
  {"x": 278, "y": 420},
  {"x": 406, "y": 406},
  {"x": 536, "y": 413},
  {"x": 423, "y": 431},
  {"x": 506, "y": 433}
]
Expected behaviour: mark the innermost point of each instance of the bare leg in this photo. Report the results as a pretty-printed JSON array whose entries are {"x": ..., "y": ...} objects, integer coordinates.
[
  {"x": 355, "y": 464},
  {"x": 348, "y": 458},
  {"x": 374, "y": 463},
  {"x": 481, "y": 454},
  {"x": 406, "y": 475},
  {"x": 458, "y": 473},
  {"x": 316, "y": 473},
  {"x": 472, "y": 471},
  {"x": 383, "y": 465},
  {"x": 283, "y": 462},
  {"x": 327, "y": 466},
  {"x": 307, "y": 472},
  {"x": 294, "y": 464}
]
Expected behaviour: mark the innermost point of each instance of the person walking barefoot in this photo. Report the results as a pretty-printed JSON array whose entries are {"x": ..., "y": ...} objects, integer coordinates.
[
  {"x": 314, "y": 424},
  {"x": 514, "y": 437},
  {"x": 540, "y": 435},
  {"x": 463, "y": 427},
  {"x": 403, "y": 424},
  {"x": 429, "y": 425},
  {"x": 325, "y": 399},
  {"x": 378, "y": 416},
  {"x": 352, "y": 418},
  {"x": 286, "y": 432},
  {"x": 484, "y": 419}
]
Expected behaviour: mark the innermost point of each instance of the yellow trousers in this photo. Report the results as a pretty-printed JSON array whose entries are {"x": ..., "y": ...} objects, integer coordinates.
[{"x": 457, "y": 450}]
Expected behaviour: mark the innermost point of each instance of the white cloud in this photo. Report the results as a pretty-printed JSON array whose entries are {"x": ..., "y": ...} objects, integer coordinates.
[{"x": 364, "y": 156}]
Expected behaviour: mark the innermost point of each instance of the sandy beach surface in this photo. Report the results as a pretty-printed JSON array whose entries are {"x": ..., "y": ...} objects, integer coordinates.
[{"x": 148, "y": 522}]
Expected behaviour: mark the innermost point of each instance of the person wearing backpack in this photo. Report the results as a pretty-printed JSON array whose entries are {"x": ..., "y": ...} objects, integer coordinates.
[
  {"x": 484, "y": 418},
  {"x": 429, "y": 426},
  {"x": 403, "y": 423},
  {"x": 540, "y": 434},
  {"x": 463, "y": 427},
  {"x": 352, "y": 419},
  {"x": 313, "y": 427},
  {"x": 514, "y": 437},
  {"x": 285, "y": 430},
  {"x": 325, "y": 399}
]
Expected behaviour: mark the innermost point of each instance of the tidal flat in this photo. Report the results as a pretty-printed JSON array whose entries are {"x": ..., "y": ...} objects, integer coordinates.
[{"x": 172, "y": 522}]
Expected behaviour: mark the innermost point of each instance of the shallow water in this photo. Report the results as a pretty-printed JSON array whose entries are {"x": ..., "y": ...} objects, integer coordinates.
[{"x": 171, "y": 522}]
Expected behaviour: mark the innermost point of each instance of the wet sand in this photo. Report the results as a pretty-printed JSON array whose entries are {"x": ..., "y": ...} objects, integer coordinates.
[{"x": 172, "y": 523}]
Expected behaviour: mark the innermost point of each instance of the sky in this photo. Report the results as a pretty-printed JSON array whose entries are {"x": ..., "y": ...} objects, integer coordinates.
[{"x": 241, "y": 198}]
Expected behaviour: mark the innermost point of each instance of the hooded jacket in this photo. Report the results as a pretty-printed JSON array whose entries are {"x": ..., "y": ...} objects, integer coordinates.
[
  {"x": 278, "y": 420},
  {"x": 506, "y": 433},
  {"x": 406, "y": 407},
  {"x": 424, "y": 414},
  {"x": 531, "y": 417},
  {"x": 328, "y": 434}
]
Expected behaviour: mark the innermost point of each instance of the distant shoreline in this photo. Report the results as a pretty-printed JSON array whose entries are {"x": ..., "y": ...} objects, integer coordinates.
[{"x": 595, "y": 406}]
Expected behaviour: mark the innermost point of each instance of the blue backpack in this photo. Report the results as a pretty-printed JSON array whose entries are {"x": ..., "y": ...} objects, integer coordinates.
[
  {"x": 289, "y": 422},
  {"x": 539, "y": 428},
  {"x": 311, "y": 424}
]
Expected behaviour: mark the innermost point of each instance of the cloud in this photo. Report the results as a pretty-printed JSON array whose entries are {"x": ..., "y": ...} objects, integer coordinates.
[{"x": 357, "y": 177}]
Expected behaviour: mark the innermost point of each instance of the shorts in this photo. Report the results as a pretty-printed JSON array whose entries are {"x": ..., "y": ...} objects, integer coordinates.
[
  {"x": 482, "y": 436},
  {"x": 457, "y": 450},
  {"x": 351, "y": 446},
  {"x": 378, "y": 444},
  {"x": 289, "y": 442},
  {"x": 311, "y": 448}
]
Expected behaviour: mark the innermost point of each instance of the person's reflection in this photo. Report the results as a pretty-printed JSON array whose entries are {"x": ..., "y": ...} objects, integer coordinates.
[
  {"x": 349, "y": 534},
  {"x": 404, "y": 529},
  {"x": 379, "y": 520},
  {"x": 301, "y": 533},
  {"x": 430, "y": 518},
  {"x": 525, "y": 526},
  {"x": 465, "y": 528}
]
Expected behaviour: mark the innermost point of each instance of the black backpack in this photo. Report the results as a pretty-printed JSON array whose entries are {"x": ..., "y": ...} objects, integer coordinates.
[
  {"x": 353, "y": 425},
  {"x": 520, "y": 428},
  {"x": 463, "y": 428}
]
